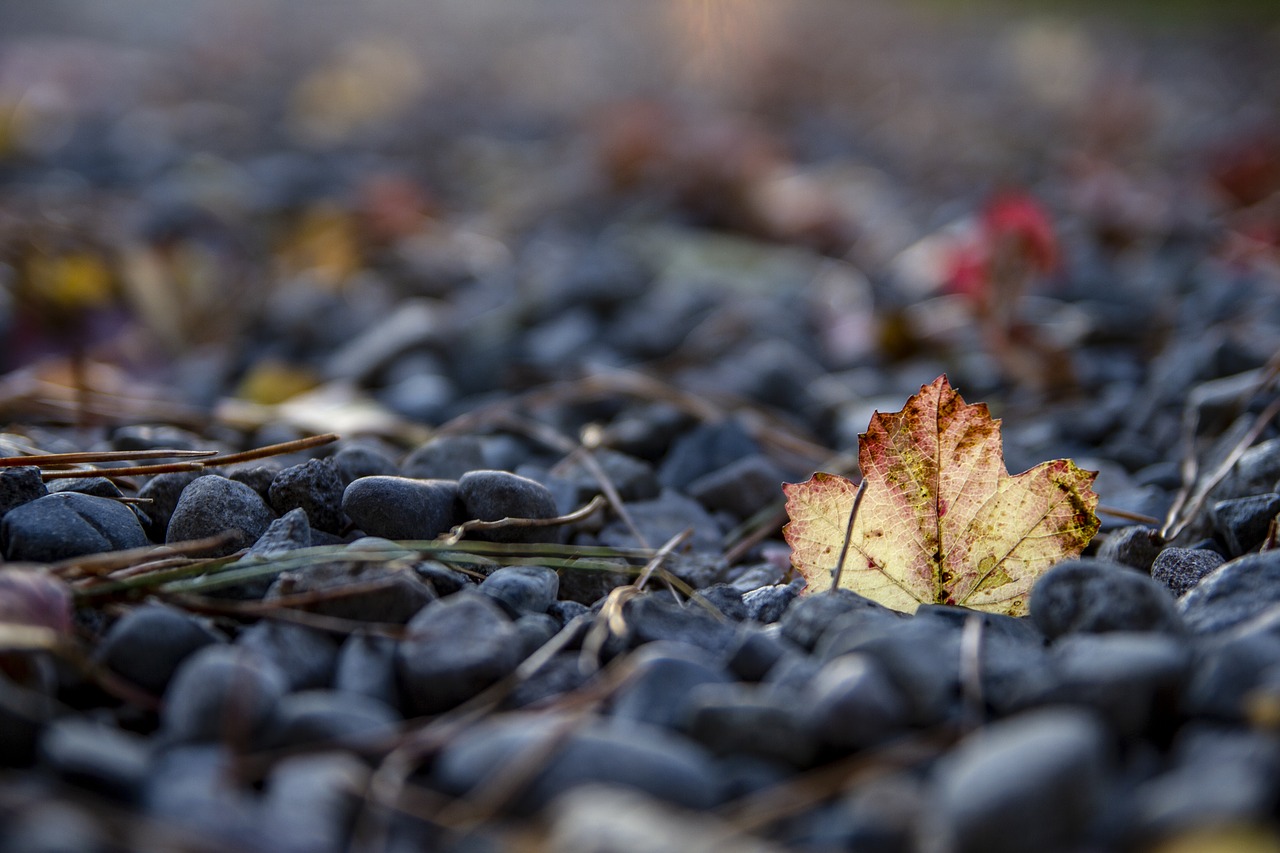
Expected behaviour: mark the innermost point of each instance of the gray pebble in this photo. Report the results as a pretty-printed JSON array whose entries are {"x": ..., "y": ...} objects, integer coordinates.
[
  {"x": 222, "y": 693},
  {"x": 311, "y": 802},
  {"x": 211, "y": 505},
  {"x": 809, "y": 616},
  {"x": 357, "y": 590},
  {"x": 1179, "y": 569},
  {"x": 194, "y": 787},
  {"x": 334, "y": 717},
  {"x": 1033, "y": 782},
  {"x": 1094, "y": 596},
  {"x": 560, "y": 675},
  {"x": 367, "y": 665},
  {"x": 522, "y": 589},
  {"x": 307, "y": 657},
  {"x": 748, "y": 719},
  {"x": 852, "y": 704},
  {"x": 99, "y": 487},
  {"x": 353, "y": 461},
  {"x": 647, "y": 759},
  {"x": 658, "y": 691},
  {"x": 289, "y": 532},
  {"x": 313, "y": 486},
  {"x": 402, "y": 508},
  {"x": 754, "y": 651},
  {"x": 1133, "y": 546},
  {"x": 19, "y": 486},
  {"x": 162, "y": 493},
  {"x": 662, "y": 518},
  {"x": 704, "y": 449},
  {"x": 1226, "y": 671},
  {"x": 495, "y": 495},
  {"x": 147, "y": 644},
  {"x": 727, "y": 600},
  {"x": 455, "y": 647},
  {"x": 1243, "y": 522},
  {"x": 634, "y": 479},
  {"x": 656, "y": 616},
  {"x": 95, "y": 756},
  {"x": 68, "y": 524},
  {"x": 446, "y": 457},
  {"x": 766, "y": 604},
  {"x": 255, "y": 476},
  {"x": 741, "y": 488},
  {"x": 1233, "y": 593}
]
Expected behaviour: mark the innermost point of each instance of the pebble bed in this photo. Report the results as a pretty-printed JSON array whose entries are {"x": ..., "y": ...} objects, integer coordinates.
[{"x": 334, "y": 668}]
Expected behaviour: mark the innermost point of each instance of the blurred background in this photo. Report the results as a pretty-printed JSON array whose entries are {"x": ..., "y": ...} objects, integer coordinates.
[{"x": 426, "y": 202}]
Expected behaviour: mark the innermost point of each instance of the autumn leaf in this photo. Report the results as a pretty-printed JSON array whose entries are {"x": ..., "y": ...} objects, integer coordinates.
[{"x": 941, "y": 520}]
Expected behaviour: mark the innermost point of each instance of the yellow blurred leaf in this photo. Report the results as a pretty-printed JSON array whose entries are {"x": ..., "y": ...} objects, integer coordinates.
[
  {"x": 271, "y": 382},
  {"x": 941, "y": 520},
  {"x": 73, "y": 281}
]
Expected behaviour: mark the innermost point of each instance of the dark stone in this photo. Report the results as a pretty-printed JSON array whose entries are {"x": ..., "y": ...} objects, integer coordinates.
[
  {"x": 401, "y": 508},
  {"x": 1131, "y": 680},
  {"x": 1227, "y": 669},
  {"x": 192, "y": 787},
  {"x": 704, "y": 449},
  {"x": 644, "y": 758},
  {"x": 353, "y": 461},
  {"x": 767, "y": 604},
  {"x": 24, "y": 713},
  {"x": 446, "y": 457},
  {"x": 566, "y": 611},
  {"x": 97, "y": 757},
  {"x": 306, "y": 656},
  {"x": 1243, "y": 522},
  {"x": 310, "y": 804},
  {"x": 257, "y": 477},
  {"x": 727, "y": 600},
  {"x": 534, "y": 630},
  {"x": 1134, "y": 546},
  {"x": 495, "y": 495},
  {"x": 154, "y": 437},
  {"x": 163, "y": 491},
  {"x": 222, "y": 693},
  {"x": 441, "y": 578},
  {"x": 1233, "y": 593},
  {"x": 658, "y": 691},
  {"x": 852, "y": 703},
  {"x": 754, "y": 652},
  {"x": 1094, "y": 596},
  {"x": 147, "y": 644},
  {"x": 99, "y": 487},
  {"x": 662, "y": 518},
  {"x": 331, "y": 716},
  {"x": 522, "y": 589},
  {"x": 313, "y": 486},
  {"x": 211, "y": 505},
  {"x": 19, "y": 486},
  {"x": 748, "y": 719},
  {"x": 68, "y": 524},
  {"x": 455, "y": 647},
  {"x": 367, "y": 665},
  {"x": 367, "y": 591},
  {"x": 1034, "y": 782},
  {"x": 1180, "y": 569},
  {"x": 741, "y": 488},
  {"x": 289, "y": 532},
  {"x": 633, "y": 479},
  {"x": 653, "y": 617},
  {"x": 809, "y": 616}
]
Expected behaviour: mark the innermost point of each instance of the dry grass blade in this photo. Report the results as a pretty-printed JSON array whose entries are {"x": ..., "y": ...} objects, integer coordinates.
[
  {"x": 89, "y": 457},
  {"x": 665, "y": 551},
  {"x": 272, "y": 450},
  {"x": 110, "y": 561}
]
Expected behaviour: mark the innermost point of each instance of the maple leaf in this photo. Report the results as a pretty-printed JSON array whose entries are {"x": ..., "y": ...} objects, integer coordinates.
[{"x": 941, "y": 520}]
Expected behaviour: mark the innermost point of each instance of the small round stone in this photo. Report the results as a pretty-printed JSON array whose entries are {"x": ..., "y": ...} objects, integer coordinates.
[
  {"x": 495, "y": 495},
  {"x": 402, "y": 508}
]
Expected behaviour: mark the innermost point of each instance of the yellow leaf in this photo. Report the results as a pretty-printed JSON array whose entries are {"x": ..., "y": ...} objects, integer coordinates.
[{"x": 941, "y": 520}]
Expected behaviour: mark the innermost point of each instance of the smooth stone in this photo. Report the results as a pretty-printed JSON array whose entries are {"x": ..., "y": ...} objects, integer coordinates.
[
  {"x": 741, "y": 488},
  {"x": 356, "y": 460},
  {"x": 1180, "y": 569},
  {"x": 809, "y": 616},
  {"x": 367, "y": 666},
  {"x": 211, "y": 505},
  {"x": 749, "y": 719},
  {"x": 20, "y": 485},
  {"x": 313, "y": 486},
  {"x": 1243, "y": 522},
  {"x": 99, "y": 487},
  {"x": 1094, "y": 596},
  {"x": 852, "y": 703},
  {"x": 402, "y": 508},
  {"x": 148, "y": 644},
  {"x": 522, "y": 589},
  {"x": 566, "y": 611},
  {"x": 534, "y": 630},
  {"x": 24, "y": 713},
  {"x": 311, "y": 802},
  {"x": 495, "y": 495},
  {"x": 97, "y": 757},
  {"x": 1134, "y": 546},
  {"x": 222, "y": 693},
  {"x": 306, "y": 656},
  {"x": 1233, "y": 593},
  {"x": 1134, "y": 681},
  {"x": 68, "y": 524},
  {"x": 454, "y": 648},
  {"x": 162, "y": 493},
  {"x": 1032, "y": 782},
  {"x": 445, "y": 457},
  {"x": 658, "y": 691},
  {"x": 647, "y": 759},
  {"x": 333, "y": 717},
  {"x": 704, "y": 449},
  {"x": 754, "y": 652}
]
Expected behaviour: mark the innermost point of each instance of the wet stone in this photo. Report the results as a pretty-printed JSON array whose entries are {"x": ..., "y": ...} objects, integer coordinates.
[
  {"x": 211, "y": 505},
  {"x": 68, "y": 524},
  {"x": 1094, "y": 596},
  {"x": 1180, "y": 569},
  {"x": 313, "y": 486},
  {"x": 402, "y": 508}
]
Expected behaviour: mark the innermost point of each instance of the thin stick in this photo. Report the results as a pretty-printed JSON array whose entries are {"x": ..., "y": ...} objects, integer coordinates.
[
  {"x": 595, "y": 505},
  {"x": 848, "y": 536},
  {"x": 272, "y": 450},
  {"x": 90, "y": 456},
  {"x": 131, "y": 471}
]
